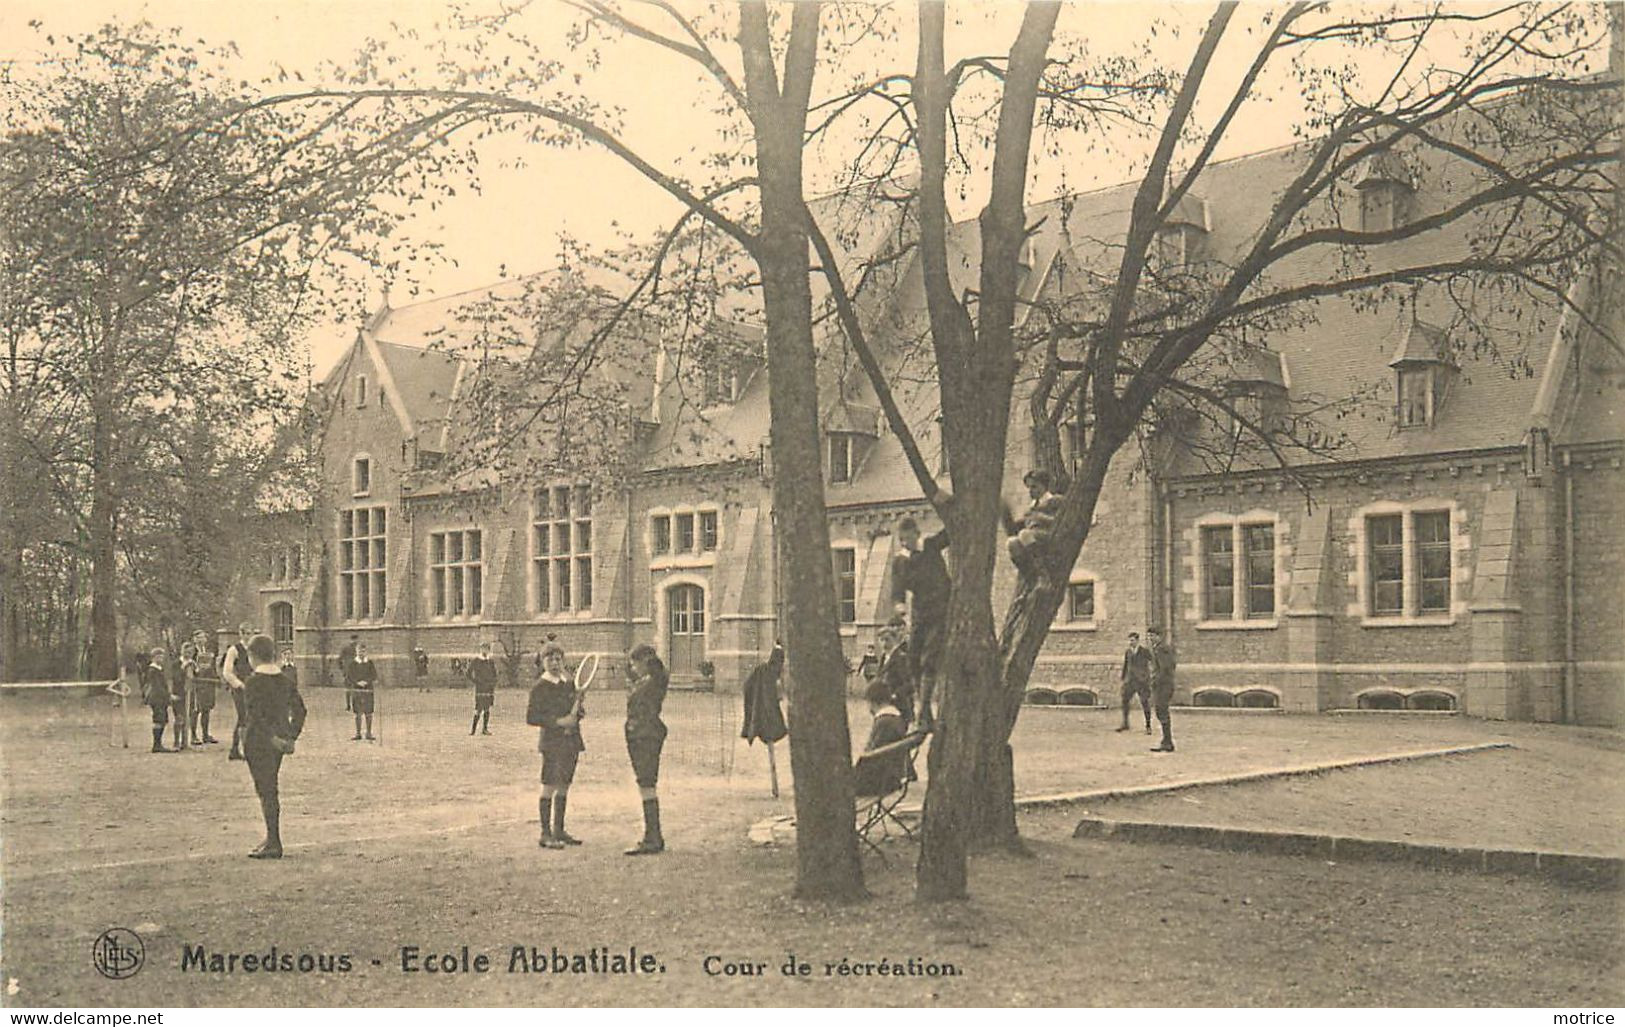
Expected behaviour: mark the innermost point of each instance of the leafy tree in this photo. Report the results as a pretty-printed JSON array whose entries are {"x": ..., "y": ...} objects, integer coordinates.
[{"x": 158, "y": 258}]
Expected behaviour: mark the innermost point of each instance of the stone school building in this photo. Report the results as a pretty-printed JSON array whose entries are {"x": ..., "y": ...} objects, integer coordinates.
[{"x": 1464, "y": 552}]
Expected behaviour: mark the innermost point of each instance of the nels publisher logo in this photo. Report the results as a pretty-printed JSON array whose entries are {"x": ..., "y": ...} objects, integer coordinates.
[{"x": 118, "y": 953}]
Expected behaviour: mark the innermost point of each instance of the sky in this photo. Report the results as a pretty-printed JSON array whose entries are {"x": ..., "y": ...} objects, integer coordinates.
[{"x": 514, "y": 224}]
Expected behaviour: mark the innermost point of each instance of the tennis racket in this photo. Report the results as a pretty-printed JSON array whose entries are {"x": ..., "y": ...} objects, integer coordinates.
[{"x": 586, "y": 670}]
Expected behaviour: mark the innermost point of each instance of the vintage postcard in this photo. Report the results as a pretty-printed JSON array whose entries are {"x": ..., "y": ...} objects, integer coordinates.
[{"x": 520, "y": 503}]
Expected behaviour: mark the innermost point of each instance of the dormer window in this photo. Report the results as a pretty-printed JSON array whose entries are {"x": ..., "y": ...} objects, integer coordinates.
[
  {"x": 1415, "y": 397},
  {"x": 1077, "y": 427},
  {"x": 725, "y": 369},
  {"x": 1386, "y": 190},
  {"x": 720, "y": 383},
  {"x": 360, "y": 390},
  {"x": 1181, "y": 238},
  {"x": 850, "y": 429},
  {"x": 1257, "y": 393},
  {"x": 843, "y": 457},
  {"x": 1257, "y": 407},
  {"x": 1423, "y": 371},
  {"x": 361, "y": 476}
]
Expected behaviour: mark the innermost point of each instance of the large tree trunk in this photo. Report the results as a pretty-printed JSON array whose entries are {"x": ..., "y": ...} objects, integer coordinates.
[
  {"x": 969, "y": 673},
  {"x": 1026, "y": 626},
  {"x": 827, "y": 865},
  {"x": 976, "y": 371},
  {"x": 826, "y": 845},
  {"x": 104, "y": 663}
]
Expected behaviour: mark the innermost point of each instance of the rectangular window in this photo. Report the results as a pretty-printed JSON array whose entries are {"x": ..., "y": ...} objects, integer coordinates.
[
  {"x": 1218, "y": 554},
  {"x": 1075, "y": 434},
  {"x": 685, "y": 533},
  {"x": 1258, "y": 551},
  {"x": 361, "y": 477},
  {"x": 708, "y": 531},
  {"x": 1080, "y": 602},
  {"x": 363, "y": 551},
  {"x": 296, "y": 561},
  {"x": 282, "y": 624},
  {"x": 456, "y": 573},
  {"x": 1385, "y": 542},
  {"x": 840, "y": 458},
  {"x": 1415, "y": 397},
  {"x": 660, "y": 535},
  {"x": 1433, "y": 561},
  {"x": 561, "y": 549},
  {"x": 720, "y": 380},
  {"x": 846, "y": 584}
]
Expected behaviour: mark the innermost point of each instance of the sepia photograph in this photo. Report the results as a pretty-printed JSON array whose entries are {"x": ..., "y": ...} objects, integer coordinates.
[{"x": 808, "y": 503}]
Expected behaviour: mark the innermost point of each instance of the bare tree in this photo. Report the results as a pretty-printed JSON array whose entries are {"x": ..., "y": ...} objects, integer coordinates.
[{"x": 1524, "y": 139}]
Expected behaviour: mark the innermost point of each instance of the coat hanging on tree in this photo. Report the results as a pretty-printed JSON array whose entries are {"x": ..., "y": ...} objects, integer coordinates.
[{"x": 764, "y": 718}]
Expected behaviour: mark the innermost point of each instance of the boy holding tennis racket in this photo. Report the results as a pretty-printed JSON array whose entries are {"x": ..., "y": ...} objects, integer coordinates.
[{"x": 555, "y": 707}]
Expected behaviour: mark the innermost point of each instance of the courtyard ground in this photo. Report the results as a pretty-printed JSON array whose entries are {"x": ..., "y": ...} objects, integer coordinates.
[{"x": 429, "y": 840}]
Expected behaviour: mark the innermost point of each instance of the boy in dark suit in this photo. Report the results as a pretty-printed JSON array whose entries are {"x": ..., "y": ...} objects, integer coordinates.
[
  {"x": 360, "y": 677},
  {"x": 553, "y": 708},
  {"x": 882, "y": 775},
  {"x": 1136, "y": 679},
  {"x": 1162, "y": 686},
  {"x": 919, "y": 571},
  {"x": 645, "y": 737},
  {"x": 274, "y": 714},
  {"x": 155, "y": 694},
  {"x": 482, "y": 670},
  {"x": 205, "y": 685}
]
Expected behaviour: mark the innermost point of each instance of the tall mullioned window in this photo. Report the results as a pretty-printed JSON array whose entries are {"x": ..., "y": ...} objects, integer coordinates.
[
  {"x": 1432, "y": 561},
  {"x": 846, "y": 584},
  {"x": 1238, "y": 571},
  {"x": 1258, "y": 556},
  {"x": 1385, "y": 542},
  {"x": 561, "y": 549},
  {"x": 1408, "y": 563},
  {"x": 456, "y": 573},
  {"x": 1218, "y": 550},
  {"x": 363, "y": 561}
]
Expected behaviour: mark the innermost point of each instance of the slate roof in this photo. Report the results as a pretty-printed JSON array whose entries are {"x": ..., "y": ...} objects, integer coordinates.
[{"x": 1344, "y": 348}]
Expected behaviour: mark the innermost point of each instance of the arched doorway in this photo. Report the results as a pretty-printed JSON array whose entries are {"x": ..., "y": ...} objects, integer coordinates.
[{"x": 685, "y": 630}]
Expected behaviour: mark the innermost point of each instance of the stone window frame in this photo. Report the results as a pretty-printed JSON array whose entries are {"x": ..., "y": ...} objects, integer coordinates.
[
  {"x": 698, "y": 554},
  {"x": 360, "y": 488},
  {"x": 848, "y": 627},
  {"x": 1239, "y": 619},
  {"x": 439, "y": 586},
  {"x": 579, "y": 608},
  {"x": 1063, "y": 615},
  {"x": 1360, "y": 574},
  {"x": 374, "y": 569}
]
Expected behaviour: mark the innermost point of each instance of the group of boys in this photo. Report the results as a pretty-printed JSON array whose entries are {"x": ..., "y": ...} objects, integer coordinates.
[
  {"x": 920, "y": 572},
  {"x": 183, "y": 688},
  {"x": 556, "y": 707}
]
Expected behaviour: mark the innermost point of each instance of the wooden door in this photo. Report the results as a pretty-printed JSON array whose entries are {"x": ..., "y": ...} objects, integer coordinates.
[{"x": 685, "y": 626}]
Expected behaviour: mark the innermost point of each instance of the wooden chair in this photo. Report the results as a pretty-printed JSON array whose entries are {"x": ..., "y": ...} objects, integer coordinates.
[{"x": 877, "y": 814}]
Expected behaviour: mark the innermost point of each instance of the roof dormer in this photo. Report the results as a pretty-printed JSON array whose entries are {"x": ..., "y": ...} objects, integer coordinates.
[
  {"x": 1386, "y": 192},
  {"x": 850, "y": 430},
  {"x": 1183, "y": 236},
  {"x": 1257, "y": 390},
  {"x": 1423, "y": 370}
]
